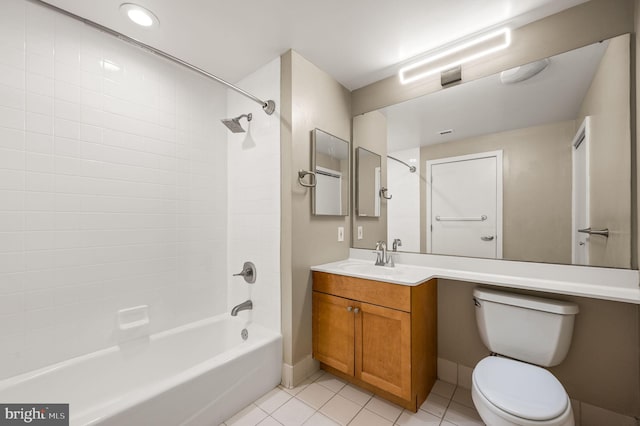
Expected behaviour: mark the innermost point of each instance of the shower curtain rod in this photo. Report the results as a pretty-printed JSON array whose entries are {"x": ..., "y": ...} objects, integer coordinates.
[
  {"x": 268, "y": 106},
  {"x": 412, "y": 169}
]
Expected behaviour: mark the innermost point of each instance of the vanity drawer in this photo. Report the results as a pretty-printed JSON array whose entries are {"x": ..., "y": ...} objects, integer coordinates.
[{"x": 393, "y": 296}]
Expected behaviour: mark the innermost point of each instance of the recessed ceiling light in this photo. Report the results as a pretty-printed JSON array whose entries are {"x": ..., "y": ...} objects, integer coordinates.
[{"x": 139, "y": 15}]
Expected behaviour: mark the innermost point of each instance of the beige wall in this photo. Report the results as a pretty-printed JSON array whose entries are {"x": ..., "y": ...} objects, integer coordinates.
[
  {"x": 635, "y": 136},
  {"x": 370, "y": 132},
  {"x": 602, "y": 365},
  {"x": 608, "y": 104},
  {"x": 311, "y": 98},
  {"x": 536, "y": 188},
  {"x": 576, "y": 27}
]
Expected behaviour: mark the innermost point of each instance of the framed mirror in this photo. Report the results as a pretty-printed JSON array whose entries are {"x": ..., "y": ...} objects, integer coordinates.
[
  {"x": 330, "y": 162},
  {"x": 551, "y": 144},
  {"x": 368, "y": 183}
]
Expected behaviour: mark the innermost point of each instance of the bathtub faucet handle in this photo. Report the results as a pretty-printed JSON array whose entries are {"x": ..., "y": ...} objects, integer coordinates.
[{"x": 248, "y": 272}]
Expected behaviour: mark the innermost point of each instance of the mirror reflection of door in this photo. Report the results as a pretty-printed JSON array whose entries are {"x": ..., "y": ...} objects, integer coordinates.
[
  {"x": 328, "y": 191},
  {"x": 368, "y": 182},
  {"x": 464, "y": 205},
  {"x": 580, "y": 194},
  {"x": 330, "y": 163},
  {"x": 378, "y": 186}
]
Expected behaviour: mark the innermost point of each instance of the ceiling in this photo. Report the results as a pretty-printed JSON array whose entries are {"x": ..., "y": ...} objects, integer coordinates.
[
  {"x": 487, "y": 106},
  {"x": 356, "y": 41}
]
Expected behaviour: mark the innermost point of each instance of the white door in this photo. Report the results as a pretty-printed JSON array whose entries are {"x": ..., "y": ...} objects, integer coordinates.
[
  {"x": 464, "y": 205},
  {"x": 580, "y": 195}
]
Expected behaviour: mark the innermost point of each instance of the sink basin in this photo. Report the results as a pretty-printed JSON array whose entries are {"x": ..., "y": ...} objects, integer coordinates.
[
  {"x": 400, "y": 274},
  {"x": 367, "y": 269}
]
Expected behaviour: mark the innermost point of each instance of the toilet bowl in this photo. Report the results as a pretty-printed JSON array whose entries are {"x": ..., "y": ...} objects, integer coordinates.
[
  {"x": 528, "y": 332},
  {"x": 508, "y": 392}
]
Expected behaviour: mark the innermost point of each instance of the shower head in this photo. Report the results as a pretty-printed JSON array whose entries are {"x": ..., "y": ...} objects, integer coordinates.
[{"x": 234, "y": 123}]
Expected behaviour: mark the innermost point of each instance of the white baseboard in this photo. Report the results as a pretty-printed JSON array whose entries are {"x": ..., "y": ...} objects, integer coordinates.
[
  {"x": 457, "y": 374},
  {"x": 293, "y": 375}
]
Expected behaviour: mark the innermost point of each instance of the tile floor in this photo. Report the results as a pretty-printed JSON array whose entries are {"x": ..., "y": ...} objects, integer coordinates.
[{"x": 325, "y": 400}]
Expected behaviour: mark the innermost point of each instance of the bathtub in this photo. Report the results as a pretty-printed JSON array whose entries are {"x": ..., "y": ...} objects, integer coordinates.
[{"x": 197, "y": 374}]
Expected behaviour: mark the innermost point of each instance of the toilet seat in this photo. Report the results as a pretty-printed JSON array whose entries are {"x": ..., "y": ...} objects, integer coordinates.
[{"x": 520, "y": 391}]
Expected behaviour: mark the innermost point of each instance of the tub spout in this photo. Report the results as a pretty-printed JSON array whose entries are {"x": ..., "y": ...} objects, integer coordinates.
[{"x": 246, "y": 305}]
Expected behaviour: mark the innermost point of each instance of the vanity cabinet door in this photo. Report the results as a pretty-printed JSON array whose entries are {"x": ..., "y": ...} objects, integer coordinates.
[
  {"x": 333, "y": 331},
  {"x": 383, "y": 349}
]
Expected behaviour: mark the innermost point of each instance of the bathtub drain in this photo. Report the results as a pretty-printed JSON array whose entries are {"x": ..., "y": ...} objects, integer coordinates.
[{"x": 244, "y": 334}]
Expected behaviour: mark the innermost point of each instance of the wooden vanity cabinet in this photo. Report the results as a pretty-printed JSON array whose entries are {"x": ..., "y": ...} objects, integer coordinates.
[{"x": 377, "y": 335}]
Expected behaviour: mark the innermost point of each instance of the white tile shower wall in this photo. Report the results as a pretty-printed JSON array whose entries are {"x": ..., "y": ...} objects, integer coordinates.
[
  {"x": 112, "y": 189},
  {"x": 403, "y": 210},
  {"x": 254, "y": 197}
]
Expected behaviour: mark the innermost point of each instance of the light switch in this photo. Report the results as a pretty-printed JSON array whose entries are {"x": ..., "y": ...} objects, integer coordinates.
[
  {"x": 340, "y": 233},
  {"x": 360, "y": 233}
]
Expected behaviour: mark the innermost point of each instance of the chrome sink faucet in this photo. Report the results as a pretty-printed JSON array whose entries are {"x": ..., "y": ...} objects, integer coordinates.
[
  {"x": 244, "y": 306},
  {"x": 382, "y": 258}
]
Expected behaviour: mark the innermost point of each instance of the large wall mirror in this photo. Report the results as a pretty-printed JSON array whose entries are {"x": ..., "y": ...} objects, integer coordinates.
[
  {"x": 531, "y": 164},
  {"x": 330, "y": 161}
]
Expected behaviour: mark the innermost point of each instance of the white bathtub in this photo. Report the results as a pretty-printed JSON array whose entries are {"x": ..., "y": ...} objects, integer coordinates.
[{"x": 197, "y": 374}]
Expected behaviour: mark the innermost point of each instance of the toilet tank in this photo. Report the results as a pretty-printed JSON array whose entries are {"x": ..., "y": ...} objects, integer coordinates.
[{"x": 527, "y": 328}]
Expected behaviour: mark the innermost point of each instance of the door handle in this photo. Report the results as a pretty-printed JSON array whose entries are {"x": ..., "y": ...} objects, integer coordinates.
[
  {"x": 489, "y": 238},
  {"x": 604, "y": 232}
]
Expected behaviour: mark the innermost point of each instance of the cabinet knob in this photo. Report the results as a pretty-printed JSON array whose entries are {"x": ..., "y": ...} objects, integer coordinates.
[
  {"x": 356, "y": 310},
  {"x": 350, "y": 308}
]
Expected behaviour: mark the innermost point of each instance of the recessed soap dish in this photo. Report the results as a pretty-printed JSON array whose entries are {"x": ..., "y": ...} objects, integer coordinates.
[{"x": 132, "y": 318}]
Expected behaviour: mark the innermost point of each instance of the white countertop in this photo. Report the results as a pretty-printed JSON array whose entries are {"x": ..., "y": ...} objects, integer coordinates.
[
  {"x": 622, "y": 285},
  {"x": 400, "y": 274}
]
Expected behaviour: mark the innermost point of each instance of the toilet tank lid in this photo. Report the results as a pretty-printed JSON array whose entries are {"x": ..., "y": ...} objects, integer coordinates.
[{"x": 525, "y": 301}]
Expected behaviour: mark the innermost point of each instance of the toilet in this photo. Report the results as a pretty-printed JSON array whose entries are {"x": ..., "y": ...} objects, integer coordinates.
[{"x": 523, "y": 333}]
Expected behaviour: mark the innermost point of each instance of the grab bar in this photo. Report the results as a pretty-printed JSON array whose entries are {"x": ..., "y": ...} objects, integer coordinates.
[
  {"x": 603, "y": 232},
  {"x": 461, "y": 219}
]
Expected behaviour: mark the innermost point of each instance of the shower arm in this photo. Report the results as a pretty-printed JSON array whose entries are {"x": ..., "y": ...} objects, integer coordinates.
[
  {"x": 249, "y": 117},
  {"x": 412, "y": 169},
  {"x": 268, "y": 106}
]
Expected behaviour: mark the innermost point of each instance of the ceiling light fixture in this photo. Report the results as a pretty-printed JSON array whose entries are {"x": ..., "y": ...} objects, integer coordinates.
[
  {"x": 139, "y": 15},
  {"x": 457, "y": 55},
  {"x": 523, "y": 72}
]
